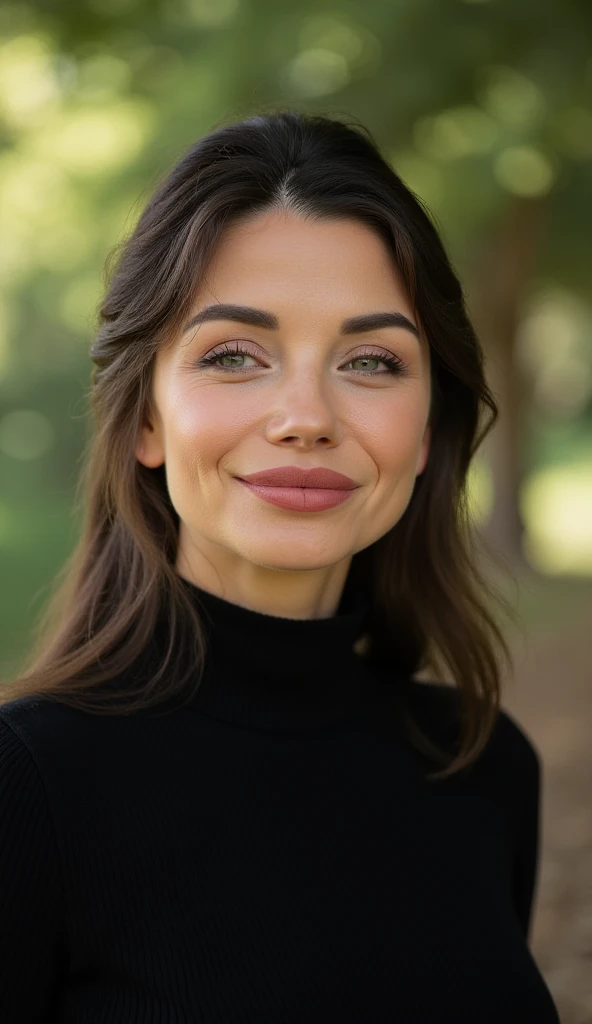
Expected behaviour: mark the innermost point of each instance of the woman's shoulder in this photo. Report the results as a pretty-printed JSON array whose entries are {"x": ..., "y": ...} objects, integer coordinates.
[
  {"x": 35, "y": 714},
  {"x": 439, "y": 708},
  {"x": 53, "y": 733}
]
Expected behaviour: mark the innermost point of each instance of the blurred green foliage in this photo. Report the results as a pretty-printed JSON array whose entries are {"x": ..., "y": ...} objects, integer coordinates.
[{"x": 477, "y": 103}]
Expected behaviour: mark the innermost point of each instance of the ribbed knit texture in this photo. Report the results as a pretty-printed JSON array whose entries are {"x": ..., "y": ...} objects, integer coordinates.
[{"x": 271, "y": 853}]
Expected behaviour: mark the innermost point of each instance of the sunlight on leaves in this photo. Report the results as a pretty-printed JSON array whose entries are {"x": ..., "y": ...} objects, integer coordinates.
[
  {"x": 29, "y": 186},
  {"x": 318, "y": 72},
  {"x": 101, "y": 77},
  {"x": 557, "y": 506},
  {"x": 524, "y": 171},
  {"x": 339, "y": 34},
  {"x": 204, "y": 13},
  {"x": 94, "y": 141},
  {"x": 455, "y": 133},
  {"x": 112, "y": 7},
  {"x": 45, "y": 221},
  {"x": 510, "y": 96},
  {"x": 29, "y": 89}
]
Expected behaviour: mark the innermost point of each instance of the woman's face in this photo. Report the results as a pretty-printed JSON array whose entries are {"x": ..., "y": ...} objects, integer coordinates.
[{"x": 306, "y": 393}]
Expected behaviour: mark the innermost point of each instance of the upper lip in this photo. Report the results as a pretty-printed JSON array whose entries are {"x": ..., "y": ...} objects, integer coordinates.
[{"x": 294, "y": 476}]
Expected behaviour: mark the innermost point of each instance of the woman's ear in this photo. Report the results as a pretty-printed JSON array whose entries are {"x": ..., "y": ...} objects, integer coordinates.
[
  {"x": 424, "y": 451},
  {"x": 149, "y": 446}
]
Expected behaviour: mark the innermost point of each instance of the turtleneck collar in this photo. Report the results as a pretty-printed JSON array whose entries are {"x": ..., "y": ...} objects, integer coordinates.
[{"x": 266, "y": 670}]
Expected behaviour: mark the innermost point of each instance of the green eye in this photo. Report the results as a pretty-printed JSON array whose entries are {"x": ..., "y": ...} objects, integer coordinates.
[{"x": 235, "y": 350}]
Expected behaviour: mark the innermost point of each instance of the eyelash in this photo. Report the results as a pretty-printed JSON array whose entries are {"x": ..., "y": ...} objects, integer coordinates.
[{"x": 396, "y": 366}]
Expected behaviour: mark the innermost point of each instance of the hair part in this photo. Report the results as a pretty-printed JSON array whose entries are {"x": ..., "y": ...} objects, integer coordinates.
[{"x": 431, "y": 602}]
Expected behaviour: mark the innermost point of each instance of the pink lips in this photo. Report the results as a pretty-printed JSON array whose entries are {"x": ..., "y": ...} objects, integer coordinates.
[
  {"x": 303, "y": 490},
  {"x": 294, "y": 476}
]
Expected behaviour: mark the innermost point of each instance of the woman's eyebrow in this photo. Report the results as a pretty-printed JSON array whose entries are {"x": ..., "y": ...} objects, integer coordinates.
[{"x": 261, "y": 318}]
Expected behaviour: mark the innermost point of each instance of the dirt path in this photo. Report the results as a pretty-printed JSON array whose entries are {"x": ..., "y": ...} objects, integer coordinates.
[{"x": 552, "y": 699}]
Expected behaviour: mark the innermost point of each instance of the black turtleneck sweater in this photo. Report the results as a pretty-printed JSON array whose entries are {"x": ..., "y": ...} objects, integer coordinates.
[{"x": 269, "y": 853}]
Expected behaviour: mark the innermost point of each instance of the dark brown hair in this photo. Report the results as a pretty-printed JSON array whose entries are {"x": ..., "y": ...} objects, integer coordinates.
[{"x": 423, "y": 576}]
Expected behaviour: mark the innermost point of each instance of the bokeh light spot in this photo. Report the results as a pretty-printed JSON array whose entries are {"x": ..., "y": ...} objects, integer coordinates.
[
  {"x": 205, "y": 13},
  {"x": 318, "y": 72},
  {"x": 94, "y": 141},
  {"x": 557, "y": 506},
  {"x": 29, "y": 88},
  {"x": 524, "y": 171},
  {"x": 510, "y": 96},
  {"x": 102, "y": 76},
  {"x": 455, "y": 133}
]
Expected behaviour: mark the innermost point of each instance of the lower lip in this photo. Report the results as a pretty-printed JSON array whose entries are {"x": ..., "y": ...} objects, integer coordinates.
[{"x": 299, "y": 499}]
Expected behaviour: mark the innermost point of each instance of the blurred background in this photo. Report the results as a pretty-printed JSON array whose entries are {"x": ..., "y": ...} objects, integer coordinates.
[{"x": 484, "y": 107}]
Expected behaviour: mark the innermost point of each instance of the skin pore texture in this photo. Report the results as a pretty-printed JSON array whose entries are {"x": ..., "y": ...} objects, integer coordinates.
[{"x": 305, "y": 395}]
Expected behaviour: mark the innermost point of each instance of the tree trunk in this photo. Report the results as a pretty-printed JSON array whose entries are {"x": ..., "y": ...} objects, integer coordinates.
[{"x": 503, "y": 270}]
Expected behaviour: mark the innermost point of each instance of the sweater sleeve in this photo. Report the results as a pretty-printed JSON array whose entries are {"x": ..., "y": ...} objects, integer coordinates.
[
  {"x": 527, "y": 850},
  {"x": 32, "y": 936}
]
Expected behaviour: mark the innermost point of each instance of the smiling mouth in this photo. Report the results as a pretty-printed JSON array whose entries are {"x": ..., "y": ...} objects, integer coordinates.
[{"x": 299, "y": 499}]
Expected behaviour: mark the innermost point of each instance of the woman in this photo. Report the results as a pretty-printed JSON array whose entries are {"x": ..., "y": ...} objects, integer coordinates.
[{"x": 220, "y": 781}]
